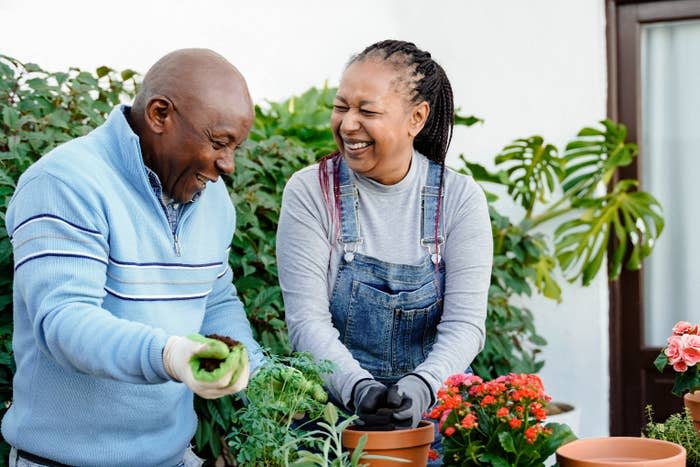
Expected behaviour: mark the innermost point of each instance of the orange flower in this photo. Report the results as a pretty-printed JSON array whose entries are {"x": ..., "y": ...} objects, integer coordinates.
[
  {"x": 531, "y": 434},
  {"x": 433, "y": 455}
]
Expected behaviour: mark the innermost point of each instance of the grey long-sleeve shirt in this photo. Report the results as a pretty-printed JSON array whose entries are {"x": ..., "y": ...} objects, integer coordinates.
[{"x": 308, "y": 258}]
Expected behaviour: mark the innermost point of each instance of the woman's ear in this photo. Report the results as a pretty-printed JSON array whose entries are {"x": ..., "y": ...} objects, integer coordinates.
[
  {"x": 158, "y": 109},
  {"x": 419, "y": 115}
]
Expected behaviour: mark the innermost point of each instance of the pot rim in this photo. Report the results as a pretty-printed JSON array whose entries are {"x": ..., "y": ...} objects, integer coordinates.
[
  {"x": 675, "y": 452},
  {"x": 397, "y": 439}
]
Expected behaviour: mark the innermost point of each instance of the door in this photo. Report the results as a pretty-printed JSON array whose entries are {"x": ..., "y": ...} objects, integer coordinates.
[{"x": 654, "y": 89}]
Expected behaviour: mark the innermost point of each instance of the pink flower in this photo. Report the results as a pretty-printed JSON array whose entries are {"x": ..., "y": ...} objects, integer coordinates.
[
  {"x": 673, "y": 349},
  {"x": 681, "y": 327},
  {"x": 684, "y": 327},
  {"x": 449, "y": 431},
  {"x": 690, "y": 349}
]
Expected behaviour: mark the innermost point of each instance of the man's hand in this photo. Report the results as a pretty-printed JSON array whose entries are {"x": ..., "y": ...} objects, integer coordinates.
[
  {"x": 416, "y": 392},
  {"x": 181, "y": 358}
]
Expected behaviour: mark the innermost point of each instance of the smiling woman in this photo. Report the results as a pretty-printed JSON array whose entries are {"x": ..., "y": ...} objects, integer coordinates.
[{"x": 384, "y": 256}]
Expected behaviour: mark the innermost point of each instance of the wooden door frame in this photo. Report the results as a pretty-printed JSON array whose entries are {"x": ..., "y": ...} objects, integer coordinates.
[{"x": 624, "y": 21}]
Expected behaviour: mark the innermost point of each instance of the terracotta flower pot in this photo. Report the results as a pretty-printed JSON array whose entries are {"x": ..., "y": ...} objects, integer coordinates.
[
  {"x": 622, "y": 451},
  {"x": 692, "y": 402},
  {"x": 411, "y": 445}
]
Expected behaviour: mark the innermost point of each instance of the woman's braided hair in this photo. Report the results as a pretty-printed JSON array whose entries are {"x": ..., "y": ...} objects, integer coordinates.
[{"x": 422, "y": 79}]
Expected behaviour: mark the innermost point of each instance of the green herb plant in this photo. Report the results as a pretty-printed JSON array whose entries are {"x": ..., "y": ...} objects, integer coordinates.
[
  {"x": 679, "y": 429},
  {"x": 272, "y": 421}
]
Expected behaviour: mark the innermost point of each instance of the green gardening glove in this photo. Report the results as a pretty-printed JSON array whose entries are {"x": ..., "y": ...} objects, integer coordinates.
[
  {"x": 206, "y": 366},
  {"x": 214, "y": 350}
]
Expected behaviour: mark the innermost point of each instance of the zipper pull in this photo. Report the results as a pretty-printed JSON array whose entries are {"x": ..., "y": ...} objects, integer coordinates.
[{"x": 177, "y": 245}]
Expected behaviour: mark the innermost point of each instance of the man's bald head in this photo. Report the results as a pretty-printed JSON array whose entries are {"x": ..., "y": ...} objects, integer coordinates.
[{"x": 191, "y": 77}]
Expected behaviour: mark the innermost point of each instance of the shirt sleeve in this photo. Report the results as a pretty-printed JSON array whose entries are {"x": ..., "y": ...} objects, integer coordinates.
[
  {"x": 61, "y": 253},
  {"x": 468, "y": 256},
  {"x": 225, "y": 315},
  {"x": 303, "y": 255}
]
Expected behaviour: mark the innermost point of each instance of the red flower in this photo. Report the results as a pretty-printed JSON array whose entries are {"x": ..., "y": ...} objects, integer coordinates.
[
  {"x": 433, "y": 455},
  {"x": 531, "y": 434},
  {"x": 515, "y": 423},
  {"x": 449, "y": 431},
  {"x": 469, "y": 421},
  {"x": 502, "y": 412},
  {"x": 488, "y": 400}
]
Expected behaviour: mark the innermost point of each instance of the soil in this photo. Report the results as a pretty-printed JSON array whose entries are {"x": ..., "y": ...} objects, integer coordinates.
[{"x": 211, "y": 364}]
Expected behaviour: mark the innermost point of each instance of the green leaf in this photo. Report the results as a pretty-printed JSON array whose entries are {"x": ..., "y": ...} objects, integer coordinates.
[
  {"x": 103, "y": 71},
  {"x": 128, "y": 74},
  {"x": 506, "y": 441},
  {"x": 532, "y": 167},
  {"x": 467, "y": 120},
  {"x": 10, "y": 117},
  {"x": 661, "y": 361},
  {"x": 494, "y": 460}
]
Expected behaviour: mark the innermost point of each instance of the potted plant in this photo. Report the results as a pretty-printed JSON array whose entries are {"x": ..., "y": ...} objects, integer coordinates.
[
  {"x": 682, "y": 353},
  {"x": 498, "y": 422},
  {"x": 679, "y": 429}
]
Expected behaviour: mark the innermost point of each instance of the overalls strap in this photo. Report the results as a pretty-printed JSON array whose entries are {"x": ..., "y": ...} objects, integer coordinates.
[
  {"x": 429, "y": 207},
  {"x": 349, "y": 212}
]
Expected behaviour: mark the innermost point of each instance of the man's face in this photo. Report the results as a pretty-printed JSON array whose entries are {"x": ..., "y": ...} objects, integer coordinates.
[{"x": 198, "y": 145}]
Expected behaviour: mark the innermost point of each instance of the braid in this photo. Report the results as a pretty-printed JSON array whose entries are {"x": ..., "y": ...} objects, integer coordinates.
[{"x": 428, "y": 82}]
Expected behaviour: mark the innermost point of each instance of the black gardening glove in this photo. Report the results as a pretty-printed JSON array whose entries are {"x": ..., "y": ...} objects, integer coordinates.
[
  {"x": 372, "y": 406},
  {"x": 409, "y": 398}
]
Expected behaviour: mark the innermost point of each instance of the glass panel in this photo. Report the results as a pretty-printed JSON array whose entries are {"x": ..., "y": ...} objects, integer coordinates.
[{"x": 670, "y": 145}]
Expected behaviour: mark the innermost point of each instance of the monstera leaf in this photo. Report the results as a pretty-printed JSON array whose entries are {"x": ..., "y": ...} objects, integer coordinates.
[
  {"x": 534, "y": 169},
  {"x": 631, "y": 217},
  {"x": 593, "y": 156}
]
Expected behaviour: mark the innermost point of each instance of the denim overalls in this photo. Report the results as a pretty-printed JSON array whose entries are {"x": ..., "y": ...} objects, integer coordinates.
[{"x": 387, "y": 314}]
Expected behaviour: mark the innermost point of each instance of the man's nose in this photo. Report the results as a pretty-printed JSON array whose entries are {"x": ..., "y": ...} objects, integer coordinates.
[{"x": 225, "y": 164}]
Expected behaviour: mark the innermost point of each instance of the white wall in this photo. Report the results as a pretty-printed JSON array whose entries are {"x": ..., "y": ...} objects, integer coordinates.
[{"x": 535, "y": 67}]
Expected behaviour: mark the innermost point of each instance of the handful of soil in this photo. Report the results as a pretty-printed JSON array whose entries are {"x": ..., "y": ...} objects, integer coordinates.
[
  {"x": 211, "y": 364},
  {"x": 222, "y": 356}
]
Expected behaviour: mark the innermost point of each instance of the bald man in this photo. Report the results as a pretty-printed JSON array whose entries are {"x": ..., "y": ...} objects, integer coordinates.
[{"x": 121, "y": 241}]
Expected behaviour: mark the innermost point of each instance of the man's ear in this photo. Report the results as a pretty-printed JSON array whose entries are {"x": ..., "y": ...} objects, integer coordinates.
[
  {"x": 158, "y": 112},
  {"x": 419, "y": 115}
]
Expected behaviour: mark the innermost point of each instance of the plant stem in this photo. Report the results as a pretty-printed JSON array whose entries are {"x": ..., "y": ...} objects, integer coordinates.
[{"x": 545, "y": 216}]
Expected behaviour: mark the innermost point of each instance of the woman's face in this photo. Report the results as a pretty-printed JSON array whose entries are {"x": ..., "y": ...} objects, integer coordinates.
[{"x": 373, "y": 123}]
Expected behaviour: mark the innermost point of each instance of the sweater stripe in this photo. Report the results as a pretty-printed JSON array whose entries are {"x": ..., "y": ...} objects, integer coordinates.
[
  {"x": 129, "y": 264},
  {"x": 52, "y": 218},
  {"x": 157, "y": 298},
  {"x": 63, "y": 254}
]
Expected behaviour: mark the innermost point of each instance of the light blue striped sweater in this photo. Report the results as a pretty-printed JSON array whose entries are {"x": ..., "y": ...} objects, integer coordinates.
[{"x": 99, "y": 285}]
